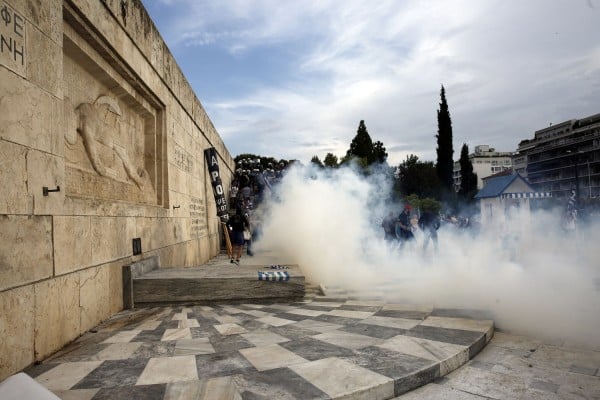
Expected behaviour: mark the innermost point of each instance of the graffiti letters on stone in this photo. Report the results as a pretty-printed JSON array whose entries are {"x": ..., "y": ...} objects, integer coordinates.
[
  {"x": 12, "y": 39},
  {"x": 210, "y": 155},
  {"x": 98, "y": 125}
]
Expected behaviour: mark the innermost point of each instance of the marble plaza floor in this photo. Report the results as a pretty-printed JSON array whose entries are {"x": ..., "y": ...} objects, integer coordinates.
[
  {"x": 322, "y": 348},
  {"x": 332, "y": 346}
]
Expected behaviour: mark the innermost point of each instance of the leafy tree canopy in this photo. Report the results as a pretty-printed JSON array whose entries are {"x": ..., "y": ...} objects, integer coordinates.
[
  {"x": 362, "y": 145},
  {"x": 315, "y": 160},
  {"x": 417, "y": 177},
  {"x": 330, "y": 160}
]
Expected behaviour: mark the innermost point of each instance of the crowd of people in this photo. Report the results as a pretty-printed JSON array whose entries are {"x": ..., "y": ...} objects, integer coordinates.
[
  {"x": 251, "y": 184},
  {"x": 399, "y": 230}
]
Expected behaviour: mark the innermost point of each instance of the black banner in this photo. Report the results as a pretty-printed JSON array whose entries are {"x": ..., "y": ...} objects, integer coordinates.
[{"x": 210, "y": 155}]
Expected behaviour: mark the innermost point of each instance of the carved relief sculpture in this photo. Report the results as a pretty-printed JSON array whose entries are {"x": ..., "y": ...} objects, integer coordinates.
[{"x": 99, "y": 125}]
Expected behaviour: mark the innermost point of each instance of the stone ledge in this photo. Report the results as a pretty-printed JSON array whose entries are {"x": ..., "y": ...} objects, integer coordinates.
[{"x": 133, "y": 271}]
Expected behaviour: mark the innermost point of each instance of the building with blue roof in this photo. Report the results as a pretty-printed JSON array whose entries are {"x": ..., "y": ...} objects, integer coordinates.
[{"x": 504, "y": 193}]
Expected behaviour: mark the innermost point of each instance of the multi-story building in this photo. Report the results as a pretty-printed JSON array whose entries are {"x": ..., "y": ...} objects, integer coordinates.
[
  {"x": 486, "y": 161},
  {"x": 562, "y": 158}
]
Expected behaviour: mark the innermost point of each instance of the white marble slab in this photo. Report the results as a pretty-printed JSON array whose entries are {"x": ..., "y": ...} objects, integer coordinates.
[
  {"x": 263, "y": 337},
  {"x": 66, "y": 375},
  {"x": 221, "y": 388},
  {"x": 317, "y": 326},
  {"x": 308, "y": 313},
  {"x": 274, "y": 321},
  {"x": 485, "y": 325},
  {"x": 350, "y": 314},
  {"x": 272, "y": 356},
  {"x": 232, "y": 310},
  {"x": 340, "y": 379},
  {"x": 450, "y": 356},
  {"x": 229, "y": 329},
  {"x": 148, "y": 325},
  {"x": 348, "y": 340},
  {"x": 390, "y": 322},
  {"x": 227, "y": 319},
  {"x": 488, "y": 384},
  {"x": 365, "y": 303},
  {"x": 117, "y": 351},
  {"x": 176, "y": 334},
  {"x": 326, "y": 304},
  {"x": 77, "y": 394},
  {"x": 169, "y": 369},
  {"x": 254, "y": 305},
  {"x": 257, "y": 313},
  {"x": 209, "y": 314},
  {"x": 179, "y": 316},
  {"x": 123, "y": 336},
  {"x": 188, "y": 323}
]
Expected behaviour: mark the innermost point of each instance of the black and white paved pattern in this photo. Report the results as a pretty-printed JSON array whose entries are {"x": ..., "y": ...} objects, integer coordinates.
[{"x": 322, "y": 348}]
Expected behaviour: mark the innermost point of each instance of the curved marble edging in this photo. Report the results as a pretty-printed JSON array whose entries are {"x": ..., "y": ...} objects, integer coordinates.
[{"x": 445, "y": 337}]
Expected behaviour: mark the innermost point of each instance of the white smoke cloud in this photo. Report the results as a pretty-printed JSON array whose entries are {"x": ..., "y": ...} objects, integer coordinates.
[{"x": 532, "y": 277}]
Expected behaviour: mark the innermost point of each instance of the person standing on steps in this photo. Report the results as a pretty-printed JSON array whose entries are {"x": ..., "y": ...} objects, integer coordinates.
[{"x": 237, "y": 224}]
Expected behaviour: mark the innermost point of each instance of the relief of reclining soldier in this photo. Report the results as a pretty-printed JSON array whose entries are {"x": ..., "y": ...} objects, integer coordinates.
[{"x": 98, "y": 125}]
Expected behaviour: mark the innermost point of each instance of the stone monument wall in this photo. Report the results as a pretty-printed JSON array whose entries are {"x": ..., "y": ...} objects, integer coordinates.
[{"x": 101, "y": 142}]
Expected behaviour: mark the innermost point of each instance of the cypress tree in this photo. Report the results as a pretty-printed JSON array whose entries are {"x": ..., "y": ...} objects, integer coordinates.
[
  {"x": 468, "y": 179},
  {"x": 445, "y": 164},
  {"x": 362, "y": 145}
]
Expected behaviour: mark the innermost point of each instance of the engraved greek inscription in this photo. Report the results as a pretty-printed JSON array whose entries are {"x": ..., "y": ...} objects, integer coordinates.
[
  {"x": 12, "y": 36},
  {"x": 18, "y": 24},
  {"x": 197, "y": 217}
]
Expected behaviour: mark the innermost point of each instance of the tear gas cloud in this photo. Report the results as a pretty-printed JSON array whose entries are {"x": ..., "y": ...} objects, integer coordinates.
[{"x": 526, "y": 272}]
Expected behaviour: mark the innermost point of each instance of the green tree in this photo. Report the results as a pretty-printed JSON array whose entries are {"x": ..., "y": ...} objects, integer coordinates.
[
  {"x": 417, "y": 177},
  {"x": 379, "y": 153},
  {"x": 317, "y": 161},
  {"x": 445, "y": 163},
  {"x": 362, "y": 145},
  {"x": 330, "y": 160},
  {"x": 468, "y": 179}
]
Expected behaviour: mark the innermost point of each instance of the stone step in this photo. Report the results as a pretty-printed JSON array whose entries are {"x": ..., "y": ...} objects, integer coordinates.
[{"x": 229, "y": 282}]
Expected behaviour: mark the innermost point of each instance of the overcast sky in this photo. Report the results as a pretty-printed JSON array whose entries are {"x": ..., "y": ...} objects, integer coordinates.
[{"x": 292, "y": 79}]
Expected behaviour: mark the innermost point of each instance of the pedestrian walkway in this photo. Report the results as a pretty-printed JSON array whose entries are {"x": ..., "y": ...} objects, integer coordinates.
[
  {"x": 519, "y": 367},
  {"x": 322, "y": 348}
]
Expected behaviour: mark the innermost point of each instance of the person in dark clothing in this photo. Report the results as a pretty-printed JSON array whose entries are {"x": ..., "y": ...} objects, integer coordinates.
[
  {"x": 403, "y": 226},
  {"x": 248, "y": 237},
  {"x": 389, "y": 227},
  {"x": 236, "y": 224},
  {"x": 429, "y": 223}
]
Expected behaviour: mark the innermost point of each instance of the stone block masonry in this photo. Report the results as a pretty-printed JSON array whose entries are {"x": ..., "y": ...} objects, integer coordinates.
[{"x": 94, "y": 108}]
